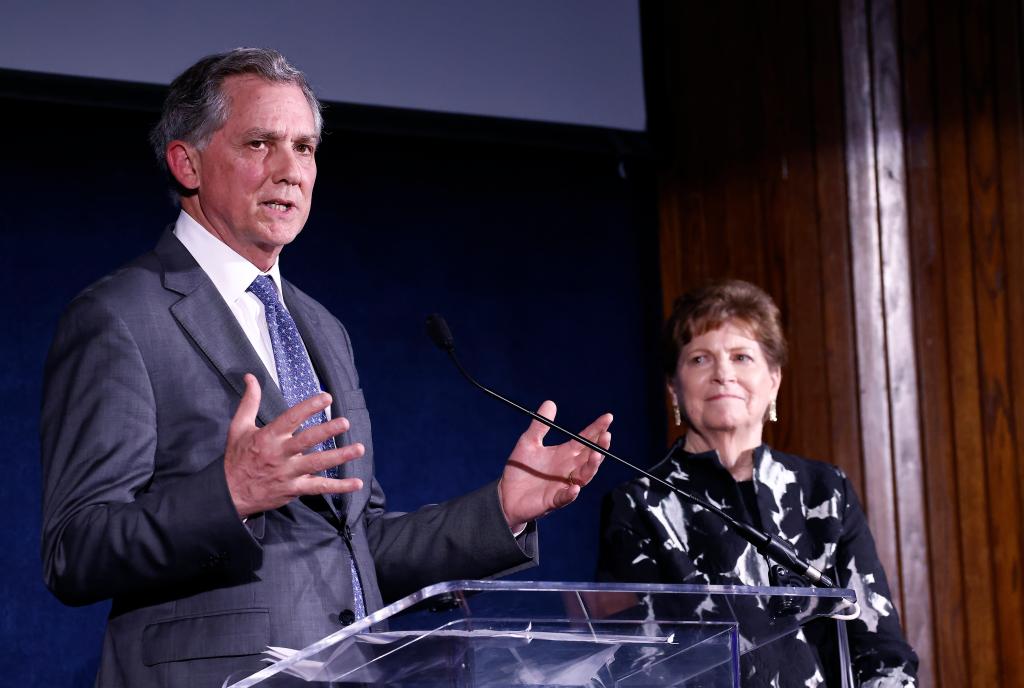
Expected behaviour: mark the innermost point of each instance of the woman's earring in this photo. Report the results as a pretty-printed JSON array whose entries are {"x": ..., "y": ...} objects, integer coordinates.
[
  {"x": 675, "y": 413},
  {"x": 773, "y": 412}
]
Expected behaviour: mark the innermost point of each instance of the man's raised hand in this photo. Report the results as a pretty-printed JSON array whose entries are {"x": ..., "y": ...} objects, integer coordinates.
[
  {"x": 538, "y": 479},
  {"x": 267, "y": 467}
]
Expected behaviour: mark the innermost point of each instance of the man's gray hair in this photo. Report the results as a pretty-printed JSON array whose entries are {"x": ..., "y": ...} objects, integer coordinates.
[{"x": 196, "y": 105}]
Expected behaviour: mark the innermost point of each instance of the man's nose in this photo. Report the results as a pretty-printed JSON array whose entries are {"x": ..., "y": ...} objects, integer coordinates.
[{"x": 285, "y": 166}]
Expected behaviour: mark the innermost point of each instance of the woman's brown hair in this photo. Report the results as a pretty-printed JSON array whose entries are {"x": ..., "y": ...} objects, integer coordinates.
[{"x": 711, "y": 306}]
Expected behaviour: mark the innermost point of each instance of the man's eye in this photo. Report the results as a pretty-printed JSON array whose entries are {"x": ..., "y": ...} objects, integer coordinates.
[
  {"x": 257, "y": 145},
  {"x": 305, "y": 149}
]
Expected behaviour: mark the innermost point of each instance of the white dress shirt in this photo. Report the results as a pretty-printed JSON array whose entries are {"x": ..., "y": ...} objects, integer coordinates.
[{"x": 232, "y": 274}]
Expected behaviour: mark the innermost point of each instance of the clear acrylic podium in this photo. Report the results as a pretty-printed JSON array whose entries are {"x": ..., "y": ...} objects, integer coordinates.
[{"x": 490, "y": 634}]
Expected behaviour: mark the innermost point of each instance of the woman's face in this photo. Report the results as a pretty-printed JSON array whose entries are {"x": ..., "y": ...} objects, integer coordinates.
[{"x": 724, "y": 383}]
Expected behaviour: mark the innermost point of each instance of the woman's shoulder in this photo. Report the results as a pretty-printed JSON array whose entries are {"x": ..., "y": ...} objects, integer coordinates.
[
  {"x": 677, "y": 470},
  {"x": 816, "y": 480},
  {"x": 805, "y": 465}
]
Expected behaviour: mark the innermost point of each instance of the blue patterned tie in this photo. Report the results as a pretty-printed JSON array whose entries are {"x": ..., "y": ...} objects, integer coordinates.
[{"x": 298, "y": 382}]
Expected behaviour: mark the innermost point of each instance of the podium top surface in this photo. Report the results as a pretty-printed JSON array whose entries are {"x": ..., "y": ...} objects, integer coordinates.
[{"x": 486, "y": 612}]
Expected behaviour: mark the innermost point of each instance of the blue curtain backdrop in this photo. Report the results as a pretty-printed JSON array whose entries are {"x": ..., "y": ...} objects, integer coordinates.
[{"x": 543, "y": 261}]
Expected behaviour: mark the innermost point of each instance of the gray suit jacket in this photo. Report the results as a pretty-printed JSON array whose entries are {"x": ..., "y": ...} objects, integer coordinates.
[{"x": 141, "y": 382}]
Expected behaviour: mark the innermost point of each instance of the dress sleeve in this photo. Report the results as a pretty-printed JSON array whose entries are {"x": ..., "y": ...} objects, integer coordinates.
[{"x": 881, "y": 656}]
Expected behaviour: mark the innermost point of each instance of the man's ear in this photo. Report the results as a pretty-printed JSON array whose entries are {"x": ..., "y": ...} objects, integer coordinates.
[{"x": 183, "y": 162}]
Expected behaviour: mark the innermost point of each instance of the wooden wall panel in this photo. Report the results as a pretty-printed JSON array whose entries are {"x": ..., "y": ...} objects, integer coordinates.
[
  {"x": 786, "y": 180},
  {"x": 834, "y": 253},
  {"x": 924, "y": 203},
  {"x": 992, "y": 326},
  {"x": 1010, "y": 141},
  {"x": 901, "y": 363},
  {"x": 952, "y": 171},
  {"x": 863, "y": 160},
  {"x": 869, "y": 313}
]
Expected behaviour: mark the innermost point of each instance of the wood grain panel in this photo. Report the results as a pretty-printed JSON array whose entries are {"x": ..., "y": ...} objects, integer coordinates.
[
  {"x": 834, "y": 251},
  {"x": 950, "y": 646},
  {"x": 990, "y": 299},
  {"x": 788, "y": 179},
  {"x": 1006, "y": 22},
  {"x": 767, "y": 103},
  {"x": 953, "y": 172},
  {"x": 899, "y": 338},
  {"x": 701, "y": 259},
  {"x": 1010, "y": 142},
  {"x": 865, "y": 253},
  {"x": 736, "y": 186}
]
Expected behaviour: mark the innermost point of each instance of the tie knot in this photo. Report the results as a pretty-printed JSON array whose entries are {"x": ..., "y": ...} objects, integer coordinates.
[{"x": 263, "y": 289}]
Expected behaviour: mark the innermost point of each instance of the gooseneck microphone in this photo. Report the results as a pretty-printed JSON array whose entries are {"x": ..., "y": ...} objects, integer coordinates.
[{"x": 770, "y": 546}]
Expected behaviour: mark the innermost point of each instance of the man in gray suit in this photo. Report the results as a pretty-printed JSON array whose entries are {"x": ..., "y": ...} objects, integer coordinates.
[{"x": 193, "y": 471}]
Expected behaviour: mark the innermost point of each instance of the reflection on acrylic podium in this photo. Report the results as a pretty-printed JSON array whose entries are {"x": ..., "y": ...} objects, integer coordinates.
[{"x": 491, "y": 634}]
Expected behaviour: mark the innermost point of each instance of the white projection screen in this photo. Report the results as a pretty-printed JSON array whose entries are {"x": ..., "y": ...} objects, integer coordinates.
[{"x": 563, "y": 61}]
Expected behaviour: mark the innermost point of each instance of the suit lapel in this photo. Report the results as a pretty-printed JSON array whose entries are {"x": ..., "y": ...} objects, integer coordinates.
[{"x": 202, "y": 313}]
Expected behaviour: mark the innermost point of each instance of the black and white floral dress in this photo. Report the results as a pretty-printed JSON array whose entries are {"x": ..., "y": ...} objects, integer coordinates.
[{"x": 650, "y": 535}]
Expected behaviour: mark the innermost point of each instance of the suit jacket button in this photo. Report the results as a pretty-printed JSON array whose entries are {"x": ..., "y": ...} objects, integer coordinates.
[{"x": 346, "y": 617}]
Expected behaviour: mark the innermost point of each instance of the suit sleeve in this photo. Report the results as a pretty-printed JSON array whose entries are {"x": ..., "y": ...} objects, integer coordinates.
[
  {"x": 110, "y": 523},
  {"x": 463, "y": 538},
  {"x": 881, "y": 657}
]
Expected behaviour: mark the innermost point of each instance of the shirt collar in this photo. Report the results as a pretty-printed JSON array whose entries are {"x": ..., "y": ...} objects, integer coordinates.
[{"x": 230, "y": 273}]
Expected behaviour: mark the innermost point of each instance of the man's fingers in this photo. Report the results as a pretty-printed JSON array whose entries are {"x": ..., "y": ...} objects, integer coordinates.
[
  {"x": 314, "y": 435},
  {"x": 538, "y": 430},
  {"x": 599, "y": 426},
  {"x": 289, "y": 421},
  {"x": 248, "y": 407},
  {"x": 319, "y": 485},
  {"x": 566, "y": 496},
  {"x": 604, "y": 441},
  {"x": 322, "y": 460},
  {"x": 585, "y": 473},
  {"x": 594, "y": 432}
]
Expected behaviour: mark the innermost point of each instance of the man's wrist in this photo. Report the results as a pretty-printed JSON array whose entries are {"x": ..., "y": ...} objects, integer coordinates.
[{"x": 517, "y": 529}]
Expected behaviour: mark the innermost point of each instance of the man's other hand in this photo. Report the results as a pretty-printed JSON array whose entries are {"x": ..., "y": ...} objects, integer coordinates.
[{"x": 539, "y": 479}]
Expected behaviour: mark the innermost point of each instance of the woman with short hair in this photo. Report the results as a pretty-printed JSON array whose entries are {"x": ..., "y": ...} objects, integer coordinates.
[{"x": 724, "y": 352}]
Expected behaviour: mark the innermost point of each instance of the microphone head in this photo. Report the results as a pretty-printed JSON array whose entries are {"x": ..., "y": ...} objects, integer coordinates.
[{"x": 438, "y": 330}]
